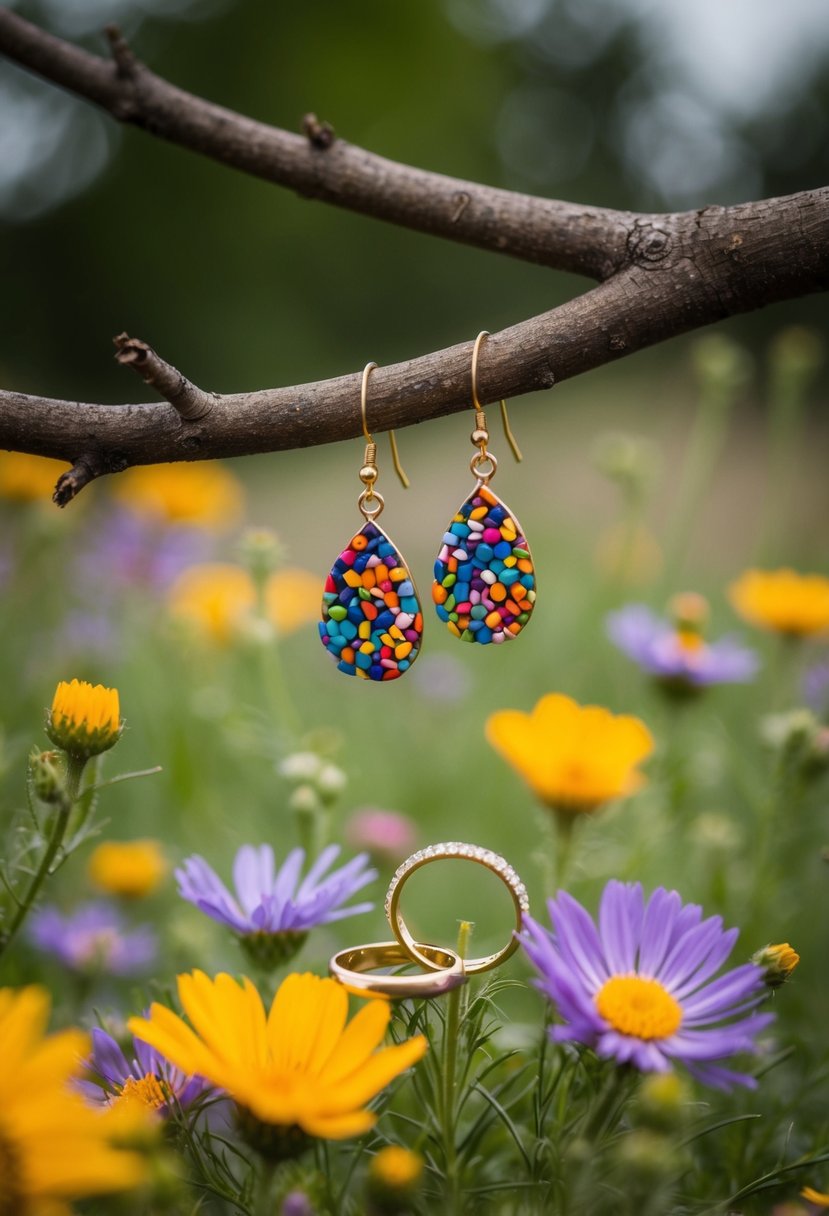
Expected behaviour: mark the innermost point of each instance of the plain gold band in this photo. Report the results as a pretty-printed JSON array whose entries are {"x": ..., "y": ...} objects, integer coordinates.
[
  {"x": 446, "y": 970},
  {"x": 465, "y": 852}
]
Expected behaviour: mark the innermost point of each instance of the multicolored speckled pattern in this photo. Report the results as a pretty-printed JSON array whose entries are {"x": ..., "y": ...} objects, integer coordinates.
[
  {"x": 372, "y": 624},
  {"x": 484, "y": 586}
]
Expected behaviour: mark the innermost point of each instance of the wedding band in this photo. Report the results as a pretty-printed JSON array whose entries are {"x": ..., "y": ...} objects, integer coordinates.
[
  {"x": 446, "y": 970},
  {"x": 467, "y": 852}
]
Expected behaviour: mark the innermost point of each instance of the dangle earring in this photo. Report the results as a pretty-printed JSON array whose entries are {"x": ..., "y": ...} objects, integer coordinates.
[
  {"x": 484, "y": 586},
  {"x": 372, "y": 624}
]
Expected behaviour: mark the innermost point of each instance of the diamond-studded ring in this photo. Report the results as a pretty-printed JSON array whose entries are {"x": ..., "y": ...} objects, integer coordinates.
[{"x": 466, "y": 852}]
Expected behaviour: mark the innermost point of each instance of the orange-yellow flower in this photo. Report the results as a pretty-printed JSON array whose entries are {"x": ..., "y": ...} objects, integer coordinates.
[
  {"x": 204, "y": 494},
  {"x": 53, "y": 1147},
  {"x": 299, "y": 1069},
  {"x": 783, "y": 601},
  {"x": 84, "y": 719},
  {"x": 573, "y": 757},
  {"x": 818, "y": 1198},
  {"x": 26, "y": 478},
  {"x": 292, "y": 599},
  {"x": 219, "y": 600},
  {"x": 396, "y": 1168},
  {"x": 130, "y": 868}
]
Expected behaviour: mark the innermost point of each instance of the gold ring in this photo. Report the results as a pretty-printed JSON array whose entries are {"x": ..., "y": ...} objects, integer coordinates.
[
  {"x": 467, "y": 852},
  {"x": 446, "y": 970}
]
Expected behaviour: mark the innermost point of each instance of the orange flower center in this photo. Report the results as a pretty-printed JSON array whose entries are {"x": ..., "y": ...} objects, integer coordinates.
[
  {"x": 640, "y": 1007},
  {"x": 149, "y": 1091}
]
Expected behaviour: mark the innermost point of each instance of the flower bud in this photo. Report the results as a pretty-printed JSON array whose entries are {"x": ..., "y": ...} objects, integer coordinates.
[
  {"x": 778, "y": 962},
  {"x": 46, "y": 772},
  {"x": 393, "y": 1180},
  {"x": 84, "y": 719},
  {"x": 331, "y": 781}
]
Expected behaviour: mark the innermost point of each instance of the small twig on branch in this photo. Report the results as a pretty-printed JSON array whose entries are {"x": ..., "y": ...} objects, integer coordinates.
[
  {"x": 190, "y": 402},
  {"x": 320, "y": 134},
  {"x": 125, "y": 60},
  {"x": 85, "y": 469}
]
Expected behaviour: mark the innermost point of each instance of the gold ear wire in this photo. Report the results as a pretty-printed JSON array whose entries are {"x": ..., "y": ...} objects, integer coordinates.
[
  {"x": 480, "y": 419},
  {"x": 371, "y": 446}
]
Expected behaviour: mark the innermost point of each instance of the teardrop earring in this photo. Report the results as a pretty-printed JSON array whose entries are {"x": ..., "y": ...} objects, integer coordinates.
[
  {"x": 484, "y": 587},
  {"x": 372, "y": 623}
]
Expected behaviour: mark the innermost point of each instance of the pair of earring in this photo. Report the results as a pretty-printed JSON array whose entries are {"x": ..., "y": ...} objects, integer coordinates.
[{"x": 484, "y": 578}]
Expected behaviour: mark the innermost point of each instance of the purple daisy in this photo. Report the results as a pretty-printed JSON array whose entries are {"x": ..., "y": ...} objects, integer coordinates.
[
  {"x": 93, "y": 937},
  {"x": 677, "y": 657},
  {"x": 639, "y": 989},
  {"x": 148, "y": 1077},
  {"x": 274, "y": 909}
]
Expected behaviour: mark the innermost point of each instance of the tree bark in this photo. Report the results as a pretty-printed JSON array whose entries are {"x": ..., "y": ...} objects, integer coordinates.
[{"x": 658, "y": 275}]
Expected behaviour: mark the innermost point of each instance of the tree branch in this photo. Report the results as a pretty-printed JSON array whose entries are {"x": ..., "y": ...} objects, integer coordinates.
[{"x": 659, "y": 276}]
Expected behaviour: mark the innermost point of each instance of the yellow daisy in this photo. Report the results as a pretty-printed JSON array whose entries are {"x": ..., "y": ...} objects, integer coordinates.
[
  {"x": 573, "y": 757},
  {"x": 204, "y": 494},
  {"x": 25, "y": 478},
  {"x": 298, "y": 1067},
  {"x": 214, "y": 598},
  {"x": 292, "y": 599},
  {"x": 129, "y": 868},
  {"x": 219, "y": 600},
  {"x": 783, "y": 601},
  {"x": 85, "y": 719},
  {"x": 53, "y": 1148}
]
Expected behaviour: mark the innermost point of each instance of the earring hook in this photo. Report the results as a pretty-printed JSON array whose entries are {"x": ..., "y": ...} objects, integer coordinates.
[
  {"x": 370, "y": 444},
  {"x": 479, "y": 409}
]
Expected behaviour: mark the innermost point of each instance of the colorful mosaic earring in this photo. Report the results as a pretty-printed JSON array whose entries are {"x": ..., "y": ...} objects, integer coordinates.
[
  {"x": 484, "y": 586},
  {"x": 372, "y": 623}
]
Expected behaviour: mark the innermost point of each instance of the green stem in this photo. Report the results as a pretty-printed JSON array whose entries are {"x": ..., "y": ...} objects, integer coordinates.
[
  {"x": 264, "y": 1204},
  {"x": 565, "y": 824},
  {"x": 609, "y": 1102},
  {"x": 74, "y": 772},
  {"x": 449, "y": 1083}
]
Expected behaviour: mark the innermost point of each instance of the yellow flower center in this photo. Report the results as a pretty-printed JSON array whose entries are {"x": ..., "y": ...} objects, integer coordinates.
[
  {"x": 689, "y": 641},
  {"x": 639, "y": 1007},
  {"x": 149, "y": 1091}
]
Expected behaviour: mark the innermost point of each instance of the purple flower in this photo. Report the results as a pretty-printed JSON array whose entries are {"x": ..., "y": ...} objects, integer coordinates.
[
  {"x": 678, "y": 657},
  {"x": 639, "y": 989},
  {"x": 275, "y": 907},
  {"x": 816, "y": 689},
  {"x": 93, "y": 938},
  {"x": 148, "y": 1077},
  {"x": 131, "y": 549}
]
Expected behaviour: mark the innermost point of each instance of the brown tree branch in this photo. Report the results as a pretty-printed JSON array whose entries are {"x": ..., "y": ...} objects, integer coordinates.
[{"x": 659, "y": 276}]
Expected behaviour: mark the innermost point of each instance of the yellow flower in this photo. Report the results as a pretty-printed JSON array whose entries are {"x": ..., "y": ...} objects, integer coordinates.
[
  {"x": 573, "y": 757},
  {"x": 130, "y": 868},
  {"x": 53, "y": 1148},
  {"x": 203, "y": 493},
  {"x": 294, "y": 1072},
  {"x": 219, "y": 600},
  {"x": 84, "y": 719},
  {"x": 783, "y": 601},
  {"x": 292, "y": 599},
  {"x": 396, "y": 1168},
  {"x": 25, "y": 478},
  {"x": 816, "y": 1197}
]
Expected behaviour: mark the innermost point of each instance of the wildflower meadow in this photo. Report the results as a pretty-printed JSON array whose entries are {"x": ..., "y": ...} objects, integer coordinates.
[{"x": 620, "y": 815}]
